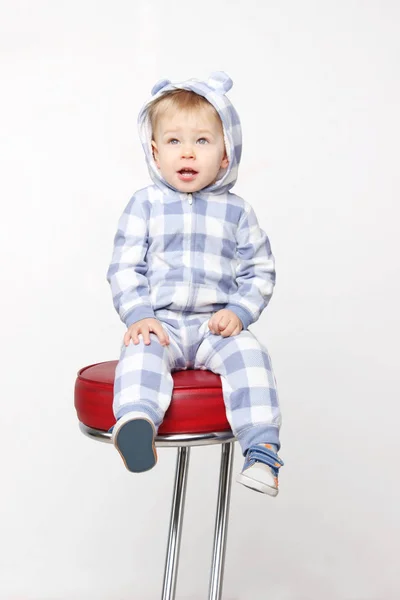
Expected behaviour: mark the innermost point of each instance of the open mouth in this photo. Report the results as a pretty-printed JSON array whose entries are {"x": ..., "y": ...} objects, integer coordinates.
[{"x": 187, "y": 174}]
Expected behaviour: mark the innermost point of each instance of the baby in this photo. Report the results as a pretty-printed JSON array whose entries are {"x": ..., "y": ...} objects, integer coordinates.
[{"x": 191, "y": 270}]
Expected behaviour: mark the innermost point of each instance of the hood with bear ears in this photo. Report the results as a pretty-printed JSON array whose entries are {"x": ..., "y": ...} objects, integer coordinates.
[{"x": 213, "y": 90}]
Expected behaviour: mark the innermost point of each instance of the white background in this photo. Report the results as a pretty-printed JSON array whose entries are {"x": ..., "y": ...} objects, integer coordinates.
[{"x": 317, "y": 87}]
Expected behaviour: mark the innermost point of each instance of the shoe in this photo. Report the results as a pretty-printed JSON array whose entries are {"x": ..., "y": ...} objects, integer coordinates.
[
  {"x": 260, "y": 470},
  {"x": 133, "y": 436}
]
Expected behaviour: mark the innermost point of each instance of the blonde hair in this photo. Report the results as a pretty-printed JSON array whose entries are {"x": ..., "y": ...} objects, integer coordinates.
[{"x": 179, "y": 100}]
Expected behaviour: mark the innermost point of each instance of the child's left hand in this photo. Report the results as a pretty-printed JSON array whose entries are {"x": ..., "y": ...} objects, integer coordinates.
[{"x": 225, "y": 322}]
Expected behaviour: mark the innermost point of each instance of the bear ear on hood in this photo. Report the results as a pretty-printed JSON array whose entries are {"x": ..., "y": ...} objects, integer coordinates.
[
  {"x": 161, "y": 83},
  {"x": 220, "y": 82}
]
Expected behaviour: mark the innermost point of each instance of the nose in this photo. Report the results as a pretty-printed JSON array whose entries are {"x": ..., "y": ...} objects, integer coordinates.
[{"x": 188, "y": 152}]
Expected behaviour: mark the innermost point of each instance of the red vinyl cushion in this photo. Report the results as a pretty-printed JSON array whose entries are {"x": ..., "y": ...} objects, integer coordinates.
[{"x": 197, "y": 404}]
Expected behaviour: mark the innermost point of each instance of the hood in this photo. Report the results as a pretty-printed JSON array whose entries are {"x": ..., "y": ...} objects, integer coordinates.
[{"x": 214, "y": 90}]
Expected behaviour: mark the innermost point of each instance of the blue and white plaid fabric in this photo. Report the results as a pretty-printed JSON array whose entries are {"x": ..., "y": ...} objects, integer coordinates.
[
  {"x": 182, "y": 257},
  {"x": 197, "y": 256},
  {"x": 143, "y": 380}
]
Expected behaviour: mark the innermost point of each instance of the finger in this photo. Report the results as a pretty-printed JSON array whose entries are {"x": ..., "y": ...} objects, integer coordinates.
[
  {"x": 146, "y": 335},
  {"x": 161, "y": 334},
  {"x": 229, "y": 329},
  {"x": 224, "y": 321},
  {"x": 127, "y": 337},
  {"x": 237, "y": 330},
  {"x": 132, "y": 334}
]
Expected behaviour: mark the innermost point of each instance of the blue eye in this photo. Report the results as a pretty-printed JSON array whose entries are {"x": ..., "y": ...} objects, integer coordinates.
[
  {"x": 172, "y": 140},
  {"x": 204, "y": 140}
]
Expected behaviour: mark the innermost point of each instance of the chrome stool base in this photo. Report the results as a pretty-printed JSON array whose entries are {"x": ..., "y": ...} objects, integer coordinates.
[{"x": 183, "y": 442}]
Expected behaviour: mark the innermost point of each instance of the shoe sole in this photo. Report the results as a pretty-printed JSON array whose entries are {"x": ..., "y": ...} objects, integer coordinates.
[
  {"x": 135, "y": 443},
  {"x": 258, "y": 486}
]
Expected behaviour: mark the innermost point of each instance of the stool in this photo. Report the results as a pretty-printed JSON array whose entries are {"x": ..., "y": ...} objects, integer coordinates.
[{"x": 195, "y": 417}]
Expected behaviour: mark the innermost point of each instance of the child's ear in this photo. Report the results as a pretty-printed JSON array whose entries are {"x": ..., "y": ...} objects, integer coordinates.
[
  {"x": 224, "y": 161},
  {"x": 155, "y": 153}
]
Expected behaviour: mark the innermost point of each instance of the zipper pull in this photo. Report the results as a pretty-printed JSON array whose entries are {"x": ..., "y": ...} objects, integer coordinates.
[{"x": 190, "y": 199}]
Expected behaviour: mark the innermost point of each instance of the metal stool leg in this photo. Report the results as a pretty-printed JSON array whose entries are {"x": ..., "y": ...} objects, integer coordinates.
[
  {"x": 175, "y": 528},
  {"x": 221, "y": 522}
]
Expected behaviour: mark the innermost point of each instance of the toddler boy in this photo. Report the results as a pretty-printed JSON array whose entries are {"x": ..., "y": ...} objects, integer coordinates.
[{"x": 191, "y": 270}]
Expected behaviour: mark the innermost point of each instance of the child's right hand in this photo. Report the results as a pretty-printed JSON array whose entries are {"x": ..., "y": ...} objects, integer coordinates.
[{"x": 144, "y": 326}]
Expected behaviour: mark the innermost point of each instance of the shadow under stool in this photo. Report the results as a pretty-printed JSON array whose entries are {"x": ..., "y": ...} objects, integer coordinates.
[{"x": 195, "y": 417}]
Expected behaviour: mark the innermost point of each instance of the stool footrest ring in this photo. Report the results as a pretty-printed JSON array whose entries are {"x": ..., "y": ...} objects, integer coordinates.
[{"x": 171, "y": 440}]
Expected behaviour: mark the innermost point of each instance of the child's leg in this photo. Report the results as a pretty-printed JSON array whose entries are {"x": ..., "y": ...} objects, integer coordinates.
[
  {"x": 248, "y": 384},
  {"x": 142, "y": 393},
  {"x": 251, "y": 401},
  {"x": 143, "y": 381}
]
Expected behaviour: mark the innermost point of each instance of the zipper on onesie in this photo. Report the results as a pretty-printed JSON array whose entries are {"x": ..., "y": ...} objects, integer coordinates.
[{"x": 189, "y": 301}]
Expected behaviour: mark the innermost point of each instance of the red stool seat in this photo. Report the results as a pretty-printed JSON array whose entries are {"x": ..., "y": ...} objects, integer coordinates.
[{"x": 197, "y": 404}]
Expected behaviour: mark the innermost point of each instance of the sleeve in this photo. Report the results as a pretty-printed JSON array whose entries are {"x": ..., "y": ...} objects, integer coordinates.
[
  {"x": 127, "y": 271},
  {"x": 255, "y": 273}
]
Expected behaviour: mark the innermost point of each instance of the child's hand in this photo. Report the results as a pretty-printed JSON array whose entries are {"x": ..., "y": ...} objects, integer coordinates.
[
  {"x": 225, "y": 322},
  {"x": 144, "y": 326}
]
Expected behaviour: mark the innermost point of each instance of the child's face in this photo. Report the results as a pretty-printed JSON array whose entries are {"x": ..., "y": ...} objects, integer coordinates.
[{"x": 191, "y": 140}]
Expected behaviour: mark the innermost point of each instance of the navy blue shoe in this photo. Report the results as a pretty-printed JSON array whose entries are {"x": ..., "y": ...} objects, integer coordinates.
[{"x": 133, "y": 436}]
